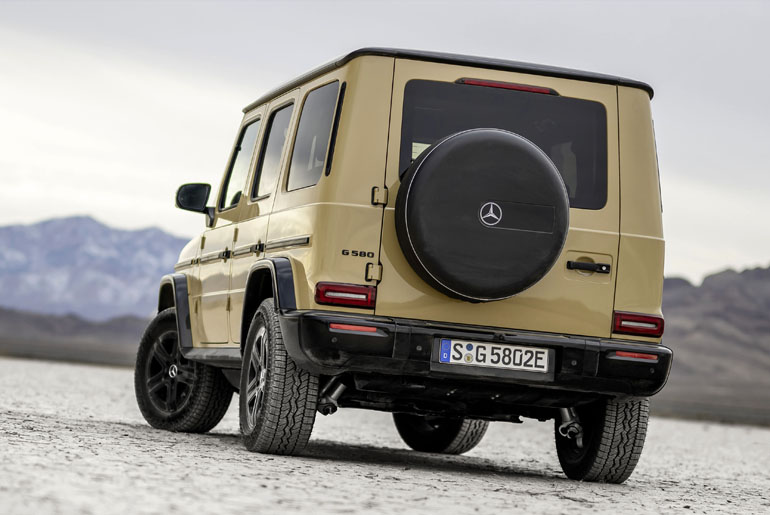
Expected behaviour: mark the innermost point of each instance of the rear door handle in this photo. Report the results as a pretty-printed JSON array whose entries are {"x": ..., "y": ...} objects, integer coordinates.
[{"x": 599, "y": 268}]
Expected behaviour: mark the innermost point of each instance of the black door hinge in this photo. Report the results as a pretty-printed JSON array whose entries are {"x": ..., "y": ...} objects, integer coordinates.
[{"x": 379, "y": 196}]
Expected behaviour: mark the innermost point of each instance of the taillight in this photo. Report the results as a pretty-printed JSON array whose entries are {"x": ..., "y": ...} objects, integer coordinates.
[
  {"x": 351, "y": 295},
  {"x": 637, "y": 324},
  {"x": 507, "y": 85}
]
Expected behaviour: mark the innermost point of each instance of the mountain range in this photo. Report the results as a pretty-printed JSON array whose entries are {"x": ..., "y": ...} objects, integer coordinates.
[
  {"x": 75, "y": 289},
  {"x": 80, "y": 266},
  {"x": 720, "y": 334}
]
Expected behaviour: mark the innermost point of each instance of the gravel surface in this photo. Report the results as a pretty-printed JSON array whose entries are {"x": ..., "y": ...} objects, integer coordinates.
[{"x": 73, "y": 441}]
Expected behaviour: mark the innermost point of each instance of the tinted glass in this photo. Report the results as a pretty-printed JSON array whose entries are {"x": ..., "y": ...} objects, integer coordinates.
[
  {"x": 272, "y": 147},
  {"x": 312, "y": 141},
  {"x": 239, "y": 166},
  {"x": 573, "y": 132}
]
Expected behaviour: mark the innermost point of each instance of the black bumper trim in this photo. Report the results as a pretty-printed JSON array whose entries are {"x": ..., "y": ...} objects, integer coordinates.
[{"x": 407, "y": 347}]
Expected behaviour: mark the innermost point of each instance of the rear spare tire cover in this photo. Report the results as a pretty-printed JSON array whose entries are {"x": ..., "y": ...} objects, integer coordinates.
[{"x": 482, "y": 215}]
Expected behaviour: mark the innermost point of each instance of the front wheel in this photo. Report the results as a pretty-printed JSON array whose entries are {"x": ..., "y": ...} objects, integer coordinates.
[
  {"x": 613, "y": 437},
  {"x": 444, "y": 435},
  {"x": 278, "y": 400},
  {"x": 172, "y": 392}
]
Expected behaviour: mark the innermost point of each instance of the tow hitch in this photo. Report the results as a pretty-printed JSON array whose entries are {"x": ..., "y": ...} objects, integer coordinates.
[{"x": 570, "y": 427}]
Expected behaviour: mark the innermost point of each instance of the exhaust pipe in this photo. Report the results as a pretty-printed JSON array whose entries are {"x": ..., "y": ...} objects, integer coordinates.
[
  {"x": 570, "y": 427},
  {"x": 327, "y": 404}
]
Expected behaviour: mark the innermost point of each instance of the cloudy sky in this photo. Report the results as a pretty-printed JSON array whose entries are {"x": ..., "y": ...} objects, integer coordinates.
[{"x": 106, "y": 107}]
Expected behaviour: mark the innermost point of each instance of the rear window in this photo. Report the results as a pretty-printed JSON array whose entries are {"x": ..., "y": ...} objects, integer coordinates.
[{"x": 573, "y": 132}]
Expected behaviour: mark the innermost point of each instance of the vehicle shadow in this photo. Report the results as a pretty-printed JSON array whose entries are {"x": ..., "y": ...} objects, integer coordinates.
[
  {"x": 330, "y": 451},
  {"x": 407, "y": 459}
]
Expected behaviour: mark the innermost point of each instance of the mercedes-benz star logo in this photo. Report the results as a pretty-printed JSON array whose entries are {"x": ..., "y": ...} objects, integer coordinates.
[{"x": 491, "y": 213}]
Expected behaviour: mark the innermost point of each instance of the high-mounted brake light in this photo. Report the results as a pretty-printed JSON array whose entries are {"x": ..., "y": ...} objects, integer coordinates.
[
  {"x": 351, "y": 295},
  {"x": 637, "y": 324},
  {"x": 636, "y": 355},
  {"x": 507, "y": 85}
]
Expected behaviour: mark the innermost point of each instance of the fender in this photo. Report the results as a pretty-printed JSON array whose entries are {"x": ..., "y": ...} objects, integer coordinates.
[
  {"x": 280, "y": 287},
  {"x": 283, "y": 281},
  {"x": 181, "y": 302}
]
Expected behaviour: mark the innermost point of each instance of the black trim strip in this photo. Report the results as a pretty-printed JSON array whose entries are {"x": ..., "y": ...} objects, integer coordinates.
[
  {"x": 215, "y": 256},
  {"x": 463, "y": 60},
  {"x": 248, "y": 250},
  {"x": 335, "y": 126},
  {"x": 229, "y": 357},
  {"x": 288, "y": 242}
]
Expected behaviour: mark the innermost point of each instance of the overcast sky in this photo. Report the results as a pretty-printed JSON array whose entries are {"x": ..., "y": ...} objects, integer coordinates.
[{"x": 106, "y": 107}]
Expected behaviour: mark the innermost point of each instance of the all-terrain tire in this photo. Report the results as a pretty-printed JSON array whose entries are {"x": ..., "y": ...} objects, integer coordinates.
[
  {"x": 191, "y": 399},
  {"x": 439, "y": 434},
  {"x": 281, "y": 421},
  {"x": 614, "y": 432}
]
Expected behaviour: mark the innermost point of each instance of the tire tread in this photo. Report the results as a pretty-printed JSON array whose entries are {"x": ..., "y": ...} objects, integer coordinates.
[{"x": 291, "y": 394}]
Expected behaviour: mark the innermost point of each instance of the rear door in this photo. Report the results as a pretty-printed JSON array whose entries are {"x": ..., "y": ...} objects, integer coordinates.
[
  {"x": 252, "y": 231},
  {"x": 217, "y": 243},
  {"x": 578, "y": 131}
]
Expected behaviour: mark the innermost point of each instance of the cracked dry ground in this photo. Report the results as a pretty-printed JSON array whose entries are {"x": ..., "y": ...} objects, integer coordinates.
[{"x": 73, "y": 441}]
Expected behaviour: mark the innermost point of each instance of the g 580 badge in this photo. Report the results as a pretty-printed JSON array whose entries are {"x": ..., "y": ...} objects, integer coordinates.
[{"x": 357, "y": 253}]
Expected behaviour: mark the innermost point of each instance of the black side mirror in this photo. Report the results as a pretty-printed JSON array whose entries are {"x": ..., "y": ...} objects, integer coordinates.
[{"x": 193, "y": 197}]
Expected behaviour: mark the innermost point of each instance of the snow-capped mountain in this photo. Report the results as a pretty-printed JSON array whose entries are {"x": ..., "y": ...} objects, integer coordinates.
[{"x": 81, "y": 266}]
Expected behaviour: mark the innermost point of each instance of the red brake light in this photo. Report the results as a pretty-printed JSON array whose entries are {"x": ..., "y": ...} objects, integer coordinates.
[
  {"x": 355, "y": 328},
  {"x": 637, "y": 355},
  {"x": 507, "y": 85},
  {"x": 637, "y": 324},
  {"x": 351, "y": 295}
]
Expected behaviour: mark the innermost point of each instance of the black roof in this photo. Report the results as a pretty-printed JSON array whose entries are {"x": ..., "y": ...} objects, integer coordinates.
[{"x": 465, "y": 60}]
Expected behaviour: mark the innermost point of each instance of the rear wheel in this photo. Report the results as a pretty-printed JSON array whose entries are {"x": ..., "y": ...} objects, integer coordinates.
[
  {"x": 444, "y": 435},
  {"x": 172, "y": 392},
  {"x": 613, "y": 437},
  {"x": 278, "y": 400}
]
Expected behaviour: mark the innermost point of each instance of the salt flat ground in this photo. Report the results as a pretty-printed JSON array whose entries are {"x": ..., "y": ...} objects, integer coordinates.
[{"x": 73, "y": 441}]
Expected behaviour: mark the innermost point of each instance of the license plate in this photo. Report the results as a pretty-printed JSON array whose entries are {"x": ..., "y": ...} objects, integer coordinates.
[{"x": 509, "y": 357}]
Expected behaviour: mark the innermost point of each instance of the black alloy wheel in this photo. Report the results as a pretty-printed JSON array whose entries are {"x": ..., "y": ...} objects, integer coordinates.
[
  {"x": 256, "y": 377},
  {"x": 170, "y": 378},
  {"x": 174, "y": 393}
]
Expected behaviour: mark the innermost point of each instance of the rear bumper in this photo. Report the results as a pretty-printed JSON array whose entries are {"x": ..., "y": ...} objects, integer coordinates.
[{"x": 409, "y": 348}]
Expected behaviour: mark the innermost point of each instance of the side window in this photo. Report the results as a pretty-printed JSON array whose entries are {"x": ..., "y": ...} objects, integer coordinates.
[
  {"x": 239, "y": 166},
  {"x": 312, "y": 140},
  {"x": 270, "y": 158}
]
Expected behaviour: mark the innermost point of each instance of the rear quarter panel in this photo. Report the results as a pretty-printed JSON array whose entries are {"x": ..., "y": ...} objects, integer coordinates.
[
  {"x": 337, "y": 213},
  {"x": 642, "y": 249}
]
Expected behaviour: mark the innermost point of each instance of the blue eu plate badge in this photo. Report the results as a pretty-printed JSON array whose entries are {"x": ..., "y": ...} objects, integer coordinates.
[{"x": 446, "y": 348}]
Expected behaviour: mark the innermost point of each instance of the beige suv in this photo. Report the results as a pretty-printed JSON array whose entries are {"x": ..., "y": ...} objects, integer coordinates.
[{"x": 451, "y": 239}]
